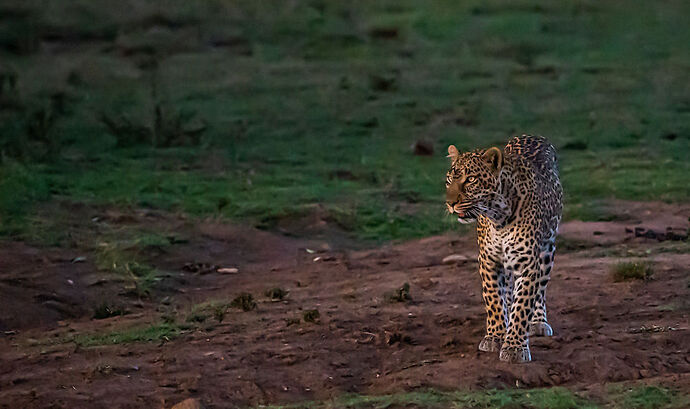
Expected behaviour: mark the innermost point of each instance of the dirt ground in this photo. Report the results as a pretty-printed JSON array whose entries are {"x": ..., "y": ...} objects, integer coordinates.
[{"x": 605, "y": 331}]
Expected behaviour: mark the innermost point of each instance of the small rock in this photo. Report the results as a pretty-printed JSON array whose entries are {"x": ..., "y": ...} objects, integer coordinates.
[
  {"x": 455, "y": 258},
  {"x": 228, "y": 270},
  {"x": 189, "y": 404}
]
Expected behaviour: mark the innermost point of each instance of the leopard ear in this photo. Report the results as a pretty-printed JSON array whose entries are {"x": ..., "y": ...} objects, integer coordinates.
[
  {"x": 453, "y": 152},
  {"x": 493, "y": 157}
]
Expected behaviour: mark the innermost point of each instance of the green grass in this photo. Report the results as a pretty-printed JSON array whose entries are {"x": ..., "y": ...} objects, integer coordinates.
[
  {"x": 123, "y": 258},
  {"x": 256, "y": 111},
  {"x": 635, "y": 397},
  {"x": 554, "y": 398},
  {"x": 648, "y": 397},
  {"x": 155, "y": 332}
]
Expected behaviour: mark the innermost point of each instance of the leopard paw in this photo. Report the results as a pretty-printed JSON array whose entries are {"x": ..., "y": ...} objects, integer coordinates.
[
  {"x": 540, "y": 329},
  {"x": 490, "y": 344},
  {"x": 515, "y": 355}
]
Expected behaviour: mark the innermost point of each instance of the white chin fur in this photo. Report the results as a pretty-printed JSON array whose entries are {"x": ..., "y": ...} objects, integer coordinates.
[{"x": 465, "y": 221}]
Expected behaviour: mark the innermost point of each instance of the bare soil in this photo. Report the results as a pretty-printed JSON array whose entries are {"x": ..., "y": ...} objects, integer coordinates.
[{"x": 362, "y": 342}]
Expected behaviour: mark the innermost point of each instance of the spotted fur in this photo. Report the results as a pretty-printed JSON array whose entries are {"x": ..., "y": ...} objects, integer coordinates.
[{"x": 515, "y": 197}]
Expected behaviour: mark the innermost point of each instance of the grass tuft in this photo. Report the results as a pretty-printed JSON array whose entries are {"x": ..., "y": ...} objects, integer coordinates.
[
  {"x": 632, "y": 270},
  {"x": 276, "y": 293},
  {"x": 219, "y": 312},
  {"x": 244, "y": 301},
  {"x": 312, "y": 316},
  {"x": 401, "y": 294}
]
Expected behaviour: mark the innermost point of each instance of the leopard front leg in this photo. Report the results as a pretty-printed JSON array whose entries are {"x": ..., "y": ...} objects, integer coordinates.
[
  {"x": 495, "y": 301},
  {"x": 515, "y": 347}
]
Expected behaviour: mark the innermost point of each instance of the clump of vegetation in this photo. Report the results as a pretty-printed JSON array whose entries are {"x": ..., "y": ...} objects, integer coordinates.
[
  {"x": 401, "y": 294},
  {"x": 163, "y": 126},
  {"x": 169, "y": 318},
  {"x": 105, "y": 310},
  {"x": 244, "y": 301},
  {"x": 632, "y": 270},
  {"x": 219, "y": 312},
  {"x": 143, "y": 275},
  {"x": 33, "y": 136},
  {"x": 276, "y": 293},
  {"x": 312, "y": 316},
  {"x": 123, "y": 257},
  {"x": 200, "y": 313}
]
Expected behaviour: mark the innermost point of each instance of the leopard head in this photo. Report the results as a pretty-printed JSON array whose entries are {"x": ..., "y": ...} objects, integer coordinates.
[{"x": 473, "y": 184}]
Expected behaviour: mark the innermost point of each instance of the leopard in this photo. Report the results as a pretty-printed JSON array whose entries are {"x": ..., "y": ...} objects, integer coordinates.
[{"x": 515, "y": 197}]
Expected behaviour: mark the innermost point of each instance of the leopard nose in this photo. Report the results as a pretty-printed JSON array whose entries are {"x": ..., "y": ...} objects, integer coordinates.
[{"x": 453, "y": 194}]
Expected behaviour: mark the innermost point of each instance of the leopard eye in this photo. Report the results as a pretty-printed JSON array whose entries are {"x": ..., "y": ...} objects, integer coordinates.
[{"x": 471, "y": 179}]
